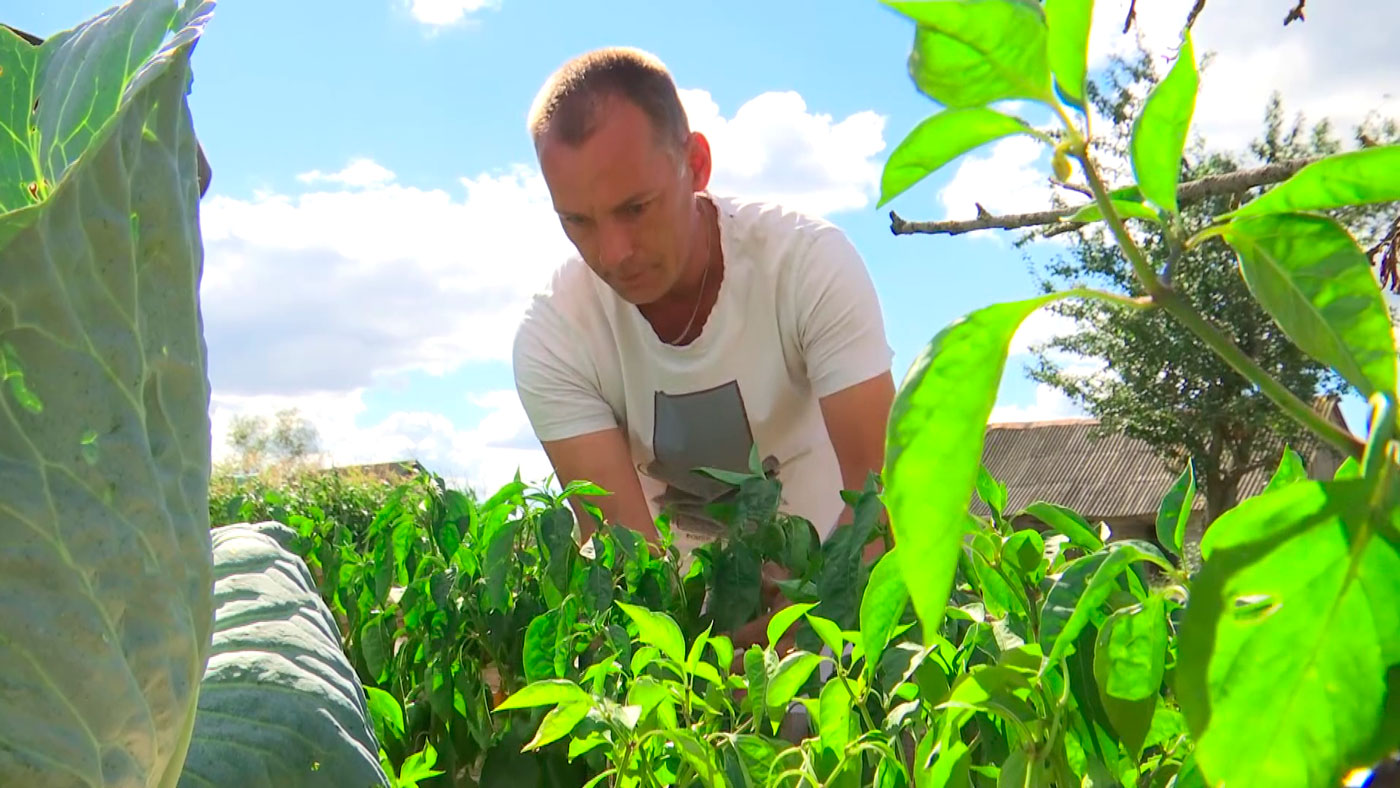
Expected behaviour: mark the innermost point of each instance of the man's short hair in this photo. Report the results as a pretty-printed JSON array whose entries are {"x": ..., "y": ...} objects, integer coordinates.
[{"x": 569, "y": 105}]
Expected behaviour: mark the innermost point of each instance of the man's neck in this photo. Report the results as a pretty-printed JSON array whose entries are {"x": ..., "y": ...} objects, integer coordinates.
[{"x": 690, "y": 303}]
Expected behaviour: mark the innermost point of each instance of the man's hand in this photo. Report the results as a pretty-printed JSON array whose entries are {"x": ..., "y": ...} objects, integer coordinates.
[
  {"x": 856, "y": 420},
  {"x": 604, "y": 459},
  {"x": 754, "y": 634}
]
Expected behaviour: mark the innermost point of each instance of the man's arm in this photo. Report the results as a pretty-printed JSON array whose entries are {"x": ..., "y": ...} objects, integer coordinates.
[
  {"x": 856, "y": 419},
  {"x": 604, "y": 459}
]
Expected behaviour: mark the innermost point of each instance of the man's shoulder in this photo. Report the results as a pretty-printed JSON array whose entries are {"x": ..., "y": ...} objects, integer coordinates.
[
  {"x": 763, "y": 221},
  {"x": 565, "y": 301},
  {"x": 784, "y": 241}
]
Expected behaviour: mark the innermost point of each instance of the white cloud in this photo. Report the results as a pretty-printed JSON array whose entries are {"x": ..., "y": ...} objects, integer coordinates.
[
  {"x": 1043, "y": 325},
  {"x": 442, "y": 13},
  {"x": 1050, "y": 404},
  {"x": 359, "y": 172},
  {"x": 485, "y": 456},
  {"x": 1340, "y": 62},
  {"x": 774, "y": 148},
  {"x": 323, "y": 290}
]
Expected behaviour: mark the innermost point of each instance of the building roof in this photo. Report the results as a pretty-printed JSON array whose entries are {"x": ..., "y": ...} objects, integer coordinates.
[{"x": 1105, "y": 476}]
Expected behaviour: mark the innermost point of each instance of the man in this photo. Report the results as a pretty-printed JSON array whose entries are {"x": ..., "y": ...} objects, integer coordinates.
[{"x": 691, "y": 328}]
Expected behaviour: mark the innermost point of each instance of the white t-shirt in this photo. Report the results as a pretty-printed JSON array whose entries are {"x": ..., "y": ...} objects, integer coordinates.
[{"x": 797, "y": 318}]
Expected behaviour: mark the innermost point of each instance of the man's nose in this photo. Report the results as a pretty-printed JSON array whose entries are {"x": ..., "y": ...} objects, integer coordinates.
[{"x": 614, "y": 244}]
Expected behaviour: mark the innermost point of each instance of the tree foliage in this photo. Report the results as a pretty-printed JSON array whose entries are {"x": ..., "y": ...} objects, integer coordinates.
[{"x": 1161, "y": 384}]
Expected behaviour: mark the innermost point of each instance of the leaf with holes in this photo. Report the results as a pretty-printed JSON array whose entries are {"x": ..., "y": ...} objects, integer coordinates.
[{"x": 1289, "y": 669}]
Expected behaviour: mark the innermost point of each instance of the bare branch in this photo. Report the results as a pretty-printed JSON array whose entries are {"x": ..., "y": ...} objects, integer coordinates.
[
  {"x": 1132, "y": 16},
  {"x": 1191, "y": 191},
  {"x": 1195, "y": 12},
  {"x": 1295, "y": 15},
  {"x": 1074, "y": 187}
]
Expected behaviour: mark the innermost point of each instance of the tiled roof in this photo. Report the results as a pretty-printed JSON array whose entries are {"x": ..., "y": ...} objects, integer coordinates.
[{"x": 1101, "y": 476}]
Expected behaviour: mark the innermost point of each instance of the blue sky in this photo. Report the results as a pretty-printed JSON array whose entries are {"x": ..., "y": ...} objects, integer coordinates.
[{"x": 376, "y": 217}]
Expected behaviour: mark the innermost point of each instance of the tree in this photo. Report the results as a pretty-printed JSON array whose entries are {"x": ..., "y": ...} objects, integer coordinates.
[
  {"x": 1161, "y": 383},
  {"x": 289, "y": 440}
]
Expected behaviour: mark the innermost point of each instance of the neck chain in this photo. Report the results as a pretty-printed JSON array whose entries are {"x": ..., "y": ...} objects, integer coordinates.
[{"x": 700, "y": 298}]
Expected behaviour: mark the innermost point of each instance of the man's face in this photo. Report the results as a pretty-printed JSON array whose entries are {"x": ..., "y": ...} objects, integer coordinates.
[{"x": 625, "y": 200}]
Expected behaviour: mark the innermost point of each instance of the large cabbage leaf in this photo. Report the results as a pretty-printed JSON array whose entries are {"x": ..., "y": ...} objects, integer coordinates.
[
  {"x": 105, "y": 570},
  {"x": 280, "y": 704}
]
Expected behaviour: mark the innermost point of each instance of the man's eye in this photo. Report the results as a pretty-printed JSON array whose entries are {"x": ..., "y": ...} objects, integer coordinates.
[{"x": 634, "y": 209}]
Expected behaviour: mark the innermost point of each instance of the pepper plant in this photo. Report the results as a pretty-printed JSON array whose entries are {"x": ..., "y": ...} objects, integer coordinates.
[{"x": 1289, "y": 643}]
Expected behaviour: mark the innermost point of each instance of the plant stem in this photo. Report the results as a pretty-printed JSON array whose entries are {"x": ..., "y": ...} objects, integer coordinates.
[{"x": 1177, "y": 306}]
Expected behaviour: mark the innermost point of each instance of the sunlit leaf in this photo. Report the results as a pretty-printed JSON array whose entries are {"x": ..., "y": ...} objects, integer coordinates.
[
  {"x": 939, "y": 139},
  {"x": 1175, "y": 511},
  {"x": 1159, "y": 133},
  {"x": 1124, "y": 208},
  {"x": 657, "y": 629},
  {"x": 969, "y": 53},
  {"x": 881, "y": 608},
  {"x": 1289, "y": 670},
  {"x": 558, "y": 723},
  {"x": 1069, "y": 22},
  {"x": 934, "y": 446},
  {"x": 545, "y": 693},
  {"x": 1068, "y": 522},
  {"x": 1308, "y": 273},
  {"x": 1360, "y": 177}
]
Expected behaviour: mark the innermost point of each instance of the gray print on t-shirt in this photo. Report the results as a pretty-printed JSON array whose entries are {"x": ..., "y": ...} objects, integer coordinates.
[{"x": 708, "y": 428}]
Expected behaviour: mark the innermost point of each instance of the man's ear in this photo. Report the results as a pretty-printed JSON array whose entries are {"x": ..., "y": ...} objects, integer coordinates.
[{"x": 697, "y": 154}]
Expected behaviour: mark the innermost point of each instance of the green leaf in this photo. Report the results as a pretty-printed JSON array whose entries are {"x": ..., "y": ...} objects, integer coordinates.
[
  {"x": 1290, "y": 469},
  {"x": 939, "y": 139},
  {"x": 700, "y": 756},
  {"x": 540, "y": 639},
  {"x": 1129, "y": 659},
  {"x": 792, "y": 672},
  {"x": 278, "y": 666},
  {"x": 558, "y": 723},
  {"x": 969, "y": 53},
  {"x": 994, "y": 690},
  {"x": 1024, "y": 551},
  {"x": 834, "y": 716},
  {"x": 1317, "y": 284},
  {"x": 1014, "y": 771},
  {"x": 659, "y": 630},
  {"x": 1130, "y": 653},
  {"x": 828, "y": 631},
  {"x": 1068, "y": 522},
  {"x": 1289, "y": 654},
  {"x": 19, "y": 63},
  {"x": 782, "y": 620},
  {"x": 934, "y": 445},
  {"x": 386, "y": 714},
  {"x": 1159, "y": 133},
  {"x": 1361, "y": 177},
  {"x": 735, "y": 596},
  {"x": 550, "y": 692},
  {"x": 881, "y": 608},
  {"x": 1124, "y": 208},
  {"x": 759, "y": 667},
  {"x": 1083, "y": 589},
  {"x": 991, "y": 491},
  {"x": 1175, "y": 510},
  {"x": 500, "y": 557},
  {"x": 107, "y": 542},
  {"x": 1068, "y": 45}
]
